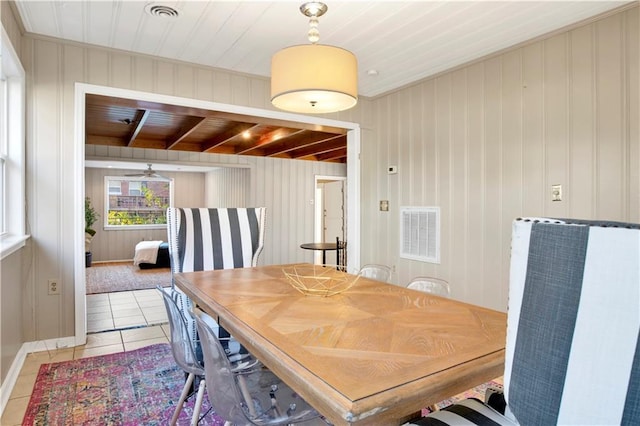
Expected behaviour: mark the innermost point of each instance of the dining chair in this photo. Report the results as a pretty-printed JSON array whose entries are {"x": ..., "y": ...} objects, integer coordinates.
[
  {"x": 572, "y": 351},
  {"x": 341, "y": 254},
  {"x": 204, "y": 239},
  {"x": 184, "y": 352},
  {"x": 431, "y": 285},
  {"x": 376, "y": 272},
  {"x": 254, "y": 396}
]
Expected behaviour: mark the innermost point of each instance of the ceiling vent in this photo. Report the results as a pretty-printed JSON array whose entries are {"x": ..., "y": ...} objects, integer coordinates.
[{"x": 161, "y": 11}]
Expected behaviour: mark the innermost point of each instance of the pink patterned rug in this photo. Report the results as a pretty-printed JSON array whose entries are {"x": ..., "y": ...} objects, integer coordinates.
[{"x": 139, "y": 387}]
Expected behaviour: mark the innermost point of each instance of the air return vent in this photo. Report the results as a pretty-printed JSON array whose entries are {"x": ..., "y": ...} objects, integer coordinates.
[
  {"x": 161, "y": 11},
  {"x": 420, "y": 233}
]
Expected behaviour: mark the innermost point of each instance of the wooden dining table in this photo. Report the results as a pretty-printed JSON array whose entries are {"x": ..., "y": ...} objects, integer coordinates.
[{"x": 373, "y": 355}]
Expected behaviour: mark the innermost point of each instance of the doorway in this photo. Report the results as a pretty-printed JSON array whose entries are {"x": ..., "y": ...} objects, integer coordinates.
[
  {"x": 329, "y": 217},
  {"x": 82, "y": 89}
]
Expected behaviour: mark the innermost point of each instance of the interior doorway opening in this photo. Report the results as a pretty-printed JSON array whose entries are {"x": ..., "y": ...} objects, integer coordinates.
[
  {"x": 330, "y": 215},
  {"x": 82, "y": 89}
]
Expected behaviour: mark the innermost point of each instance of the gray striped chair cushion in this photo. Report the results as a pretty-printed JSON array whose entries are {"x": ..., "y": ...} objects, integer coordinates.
[{"x": 572, "y": 353}]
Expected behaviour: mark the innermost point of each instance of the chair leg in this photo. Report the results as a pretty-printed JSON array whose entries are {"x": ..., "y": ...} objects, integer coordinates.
[
  {"x": 185, "y": 392},
  {"x": 247, "y": 396},
  {"x": 198, "y": 405}
]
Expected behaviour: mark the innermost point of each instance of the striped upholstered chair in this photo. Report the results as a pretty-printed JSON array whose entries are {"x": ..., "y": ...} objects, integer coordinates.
[
  {"x": 572, "y": 353},
  {"x": 204, "y": 239}
]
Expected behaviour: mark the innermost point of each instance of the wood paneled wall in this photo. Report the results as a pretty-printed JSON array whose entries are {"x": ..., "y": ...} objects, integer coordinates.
[
  {"x": 487, "y": 141},
  {"x": 228, "y": 187},
  {"x": 53, "y": 68},
  {"x": 11, "y": 24},
  {"x": 12, "y": 273}
]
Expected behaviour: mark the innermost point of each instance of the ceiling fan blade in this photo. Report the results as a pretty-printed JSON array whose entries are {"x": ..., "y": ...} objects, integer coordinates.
[{"x": 149, "y": 172}]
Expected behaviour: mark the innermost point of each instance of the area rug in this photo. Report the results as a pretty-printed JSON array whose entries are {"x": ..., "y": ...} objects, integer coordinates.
[
  {"x": 139, "y": 387},
  {"x": 124, "y": 276}
]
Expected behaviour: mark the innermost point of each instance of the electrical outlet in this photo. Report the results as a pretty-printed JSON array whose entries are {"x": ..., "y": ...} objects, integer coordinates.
[
  {"x": 54, "y": 287},
  {"x": 556, "y": 192}
]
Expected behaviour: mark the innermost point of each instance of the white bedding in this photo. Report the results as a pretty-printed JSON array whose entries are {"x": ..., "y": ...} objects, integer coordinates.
[{"x": 146, "y": 252}]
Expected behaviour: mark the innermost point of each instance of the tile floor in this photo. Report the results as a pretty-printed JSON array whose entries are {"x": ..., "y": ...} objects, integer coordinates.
[
  {"x": 125, "y": 309},
  {"x": 116, "y": 322}
]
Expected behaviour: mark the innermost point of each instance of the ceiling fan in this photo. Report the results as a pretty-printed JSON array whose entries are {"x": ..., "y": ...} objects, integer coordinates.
[{"x": 148, "y": 173}]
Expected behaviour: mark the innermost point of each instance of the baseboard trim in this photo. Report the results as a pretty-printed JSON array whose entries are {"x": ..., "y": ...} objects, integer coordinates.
[
  {"x": 27, "y": 348},
  {"x": 12, "y": 377}
]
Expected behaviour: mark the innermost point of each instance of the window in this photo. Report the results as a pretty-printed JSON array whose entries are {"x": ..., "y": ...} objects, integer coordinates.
[
  {"x": 12, "y": 149},
  {"x": 420, "y": 233},
  {"x": 135, "y": 188},
  {"x": 115, "y": 187},
  {"x": 137, "y": 202}
]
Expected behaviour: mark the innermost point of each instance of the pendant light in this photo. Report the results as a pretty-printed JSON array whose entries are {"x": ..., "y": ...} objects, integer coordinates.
[{"x": 314, "y": 78}]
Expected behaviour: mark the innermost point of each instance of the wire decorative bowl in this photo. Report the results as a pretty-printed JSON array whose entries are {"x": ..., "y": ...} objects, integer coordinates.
[{"x": 319, "y": 280}]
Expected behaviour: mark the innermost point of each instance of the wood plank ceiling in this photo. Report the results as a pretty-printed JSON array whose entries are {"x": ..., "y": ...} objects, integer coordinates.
[{"x": 130, "y": 123}]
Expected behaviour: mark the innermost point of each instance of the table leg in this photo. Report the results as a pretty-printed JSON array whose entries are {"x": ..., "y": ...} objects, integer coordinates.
[{"x": 324, "y": 257}]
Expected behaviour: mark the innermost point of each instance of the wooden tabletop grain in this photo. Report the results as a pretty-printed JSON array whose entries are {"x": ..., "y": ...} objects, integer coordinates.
[{"x": 375, "y": 354}]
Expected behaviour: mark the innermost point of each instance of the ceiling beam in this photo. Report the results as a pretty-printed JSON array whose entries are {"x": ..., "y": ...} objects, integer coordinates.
[
  {"x": 192, "y": 125},
  {"x": 141, "y": 117},
  {"x": 307, "y": 145},
  {"x": 233, "y": 132},
  {"x": 280, "y": 136}
]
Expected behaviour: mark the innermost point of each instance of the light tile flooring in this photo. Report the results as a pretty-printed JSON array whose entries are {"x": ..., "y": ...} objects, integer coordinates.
[
  {"x": 125, "y": 309},
  {"x": 116, "y": 322}
]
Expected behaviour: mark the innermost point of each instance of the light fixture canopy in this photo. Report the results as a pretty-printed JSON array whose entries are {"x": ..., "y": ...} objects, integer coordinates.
[{"x": 314, "y": 78}]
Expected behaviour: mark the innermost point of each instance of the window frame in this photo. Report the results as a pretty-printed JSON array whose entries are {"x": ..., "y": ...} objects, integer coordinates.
[
  {"x": 4, "y": 108},
  {"x": 13, "y": 230},
  {"x": 105, "y": 213}
]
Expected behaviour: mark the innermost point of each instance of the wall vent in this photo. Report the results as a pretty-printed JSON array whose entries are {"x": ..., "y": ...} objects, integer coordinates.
[{"x": 420, "y": 233}]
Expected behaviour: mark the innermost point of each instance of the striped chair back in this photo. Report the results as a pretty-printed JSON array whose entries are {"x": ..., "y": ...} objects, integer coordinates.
[
  {"x": 204, "y": 239},
  {"x": 572, "y": 353}
]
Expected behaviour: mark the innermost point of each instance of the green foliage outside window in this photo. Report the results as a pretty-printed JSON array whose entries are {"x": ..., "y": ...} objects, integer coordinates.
[{"x": 150, "y": 209}]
